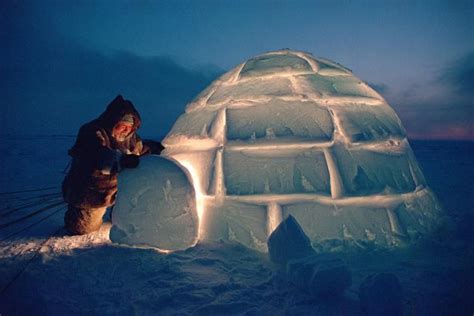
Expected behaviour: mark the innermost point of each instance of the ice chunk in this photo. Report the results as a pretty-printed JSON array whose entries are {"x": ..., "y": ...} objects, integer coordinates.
[
  {"x": 275, "y": 171},
  {"x": 365, "y": 171},
  {"x": 156, "y": 206},
  {"x": 288, "y": 242},
  {"x": 274, "y": 63},
  {"x": 336, "y": 86},
  {"x": 287, "y": 119},
  {"x": 321, "y": 276},
  {"x": 252, "y": 89},
  {"x": 381, "y": 294},
  {"x": 368, "y": 122}
]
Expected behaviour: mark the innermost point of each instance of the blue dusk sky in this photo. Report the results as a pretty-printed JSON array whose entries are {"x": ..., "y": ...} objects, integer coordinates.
[{"x": 62, "y": 62}]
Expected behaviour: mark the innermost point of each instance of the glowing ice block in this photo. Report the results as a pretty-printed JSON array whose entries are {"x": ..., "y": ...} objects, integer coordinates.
[{"x": 156, "y": 206}]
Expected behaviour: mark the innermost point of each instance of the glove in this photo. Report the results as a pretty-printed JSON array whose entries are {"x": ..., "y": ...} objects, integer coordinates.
[{"x": 129, "y": 161}]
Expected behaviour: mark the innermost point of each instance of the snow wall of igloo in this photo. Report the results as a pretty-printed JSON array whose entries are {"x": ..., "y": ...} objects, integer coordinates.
[{"x": 287, "y": 133}]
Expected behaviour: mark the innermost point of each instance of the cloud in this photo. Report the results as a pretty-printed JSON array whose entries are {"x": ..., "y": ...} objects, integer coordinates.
[
  {"x": 437, "y": 120},
  {"x": 441, "y": 108},
  {"x": 459, "y": 75},
  {"x": 53, "y": 85}
]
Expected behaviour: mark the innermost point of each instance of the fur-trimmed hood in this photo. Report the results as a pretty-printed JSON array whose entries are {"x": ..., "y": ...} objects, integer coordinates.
[{"x": 115, "y": 111}]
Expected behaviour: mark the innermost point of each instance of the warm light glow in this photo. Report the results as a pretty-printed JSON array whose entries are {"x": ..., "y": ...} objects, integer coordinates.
[
  {"x": 197, "y": 188},
  {"x": 164, "y": 251},
  {"x": 274, "y": 217}
]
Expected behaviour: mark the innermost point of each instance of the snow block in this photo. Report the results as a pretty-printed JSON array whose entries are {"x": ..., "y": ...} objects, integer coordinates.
[
  {"x": 417, "y": 174},
  {"x": 336, "y": 86},
  {"x": 381, "y": 294},
  {"x": 420, "y": 214},
  {"x": 288, "y": 241},
  {"x": 361, "y": 226},
  {"x": 330, "y": 68},
  {"x": 201, "y": 165},
  {"x": 367, "y": 172},
  {"x": 319, "y": 275},
  {"x": 368, "y": 122},
  {"x": 199, "y": 102},
  {"x": 274, "y": 64},
  {"x": 285, "y": 119},
  {"x": 193, "y": 125},
  {"x": 237, "y": 222},
  {"x": 156, "y": 206},
  {"x": 276, "y": 171},
  {"x": 252, "y": 89}
]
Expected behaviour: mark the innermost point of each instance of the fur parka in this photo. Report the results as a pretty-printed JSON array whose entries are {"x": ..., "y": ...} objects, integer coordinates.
[{"x": 92, "y": 179}]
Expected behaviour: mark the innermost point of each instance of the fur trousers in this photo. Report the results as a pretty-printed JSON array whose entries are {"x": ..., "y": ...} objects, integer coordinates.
[{"x": 80, "y": 221}]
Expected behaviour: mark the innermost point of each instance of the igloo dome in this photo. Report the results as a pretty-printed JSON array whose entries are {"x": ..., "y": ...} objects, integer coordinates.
[{"x": 285, "y": 133}]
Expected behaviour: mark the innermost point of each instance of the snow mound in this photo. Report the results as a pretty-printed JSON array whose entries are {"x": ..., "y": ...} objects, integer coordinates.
[
  {"x": 320, "y": 276},
  {"x": 156, "y": 206},
  {"x": 286, "y": 133},
  {"x": 381, "y": 294}
]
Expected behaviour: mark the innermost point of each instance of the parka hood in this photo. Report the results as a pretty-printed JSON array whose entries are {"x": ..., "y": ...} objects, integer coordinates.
[{"x": 116, "y": 110}]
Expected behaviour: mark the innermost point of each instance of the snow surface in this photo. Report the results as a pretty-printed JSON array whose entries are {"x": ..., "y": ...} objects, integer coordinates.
[
  {"x": 156, "y": 206},
  {"x": 381, "y": 294},
  {"x": 44, "y": 271},
  {"x": 321, "y": 277},
  {"x": 285, "y": 133}
]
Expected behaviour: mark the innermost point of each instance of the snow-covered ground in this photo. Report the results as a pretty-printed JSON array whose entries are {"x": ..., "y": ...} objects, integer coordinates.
[{"x": 45, "y": 272}]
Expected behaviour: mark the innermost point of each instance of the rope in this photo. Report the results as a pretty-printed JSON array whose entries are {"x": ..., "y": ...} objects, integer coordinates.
[
  {"x": 31, "y": 214},
  {"x": 24, "y": 191},
  {"x": 27, "y": 198},
  {"x": 33, "y": 224},
  {"x": 9, "y": 210}
]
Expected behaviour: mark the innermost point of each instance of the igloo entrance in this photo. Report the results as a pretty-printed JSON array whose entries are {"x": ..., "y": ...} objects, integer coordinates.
[{"x": 286, "y": 133}]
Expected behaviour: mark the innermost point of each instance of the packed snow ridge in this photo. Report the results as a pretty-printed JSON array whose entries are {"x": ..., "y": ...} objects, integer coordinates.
[{"x": 286, "y": 133}]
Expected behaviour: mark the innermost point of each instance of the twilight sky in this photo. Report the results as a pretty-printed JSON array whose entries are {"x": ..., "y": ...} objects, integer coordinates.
[{"x": 62, "y": 62}]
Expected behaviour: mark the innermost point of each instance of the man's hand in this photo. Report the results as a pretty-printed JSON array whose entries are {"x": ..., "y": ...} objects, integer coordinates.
[{"x": 129, "y": 161}]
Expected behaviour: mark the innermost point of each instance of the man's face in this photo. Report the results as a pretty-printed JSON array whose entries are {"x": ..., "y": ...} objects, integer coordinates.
[{"x": 122, "y": 130}]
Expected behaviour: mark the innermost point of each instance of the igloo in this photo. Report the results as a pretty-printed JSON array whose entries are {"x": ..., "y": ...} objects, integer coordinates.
[{"x": 285, "y": 133}]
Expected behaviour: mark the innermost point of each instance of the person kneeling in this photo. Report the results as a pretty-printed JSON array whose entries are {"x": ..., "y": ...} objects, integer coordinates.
[{"x": 103, "y": 147}]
